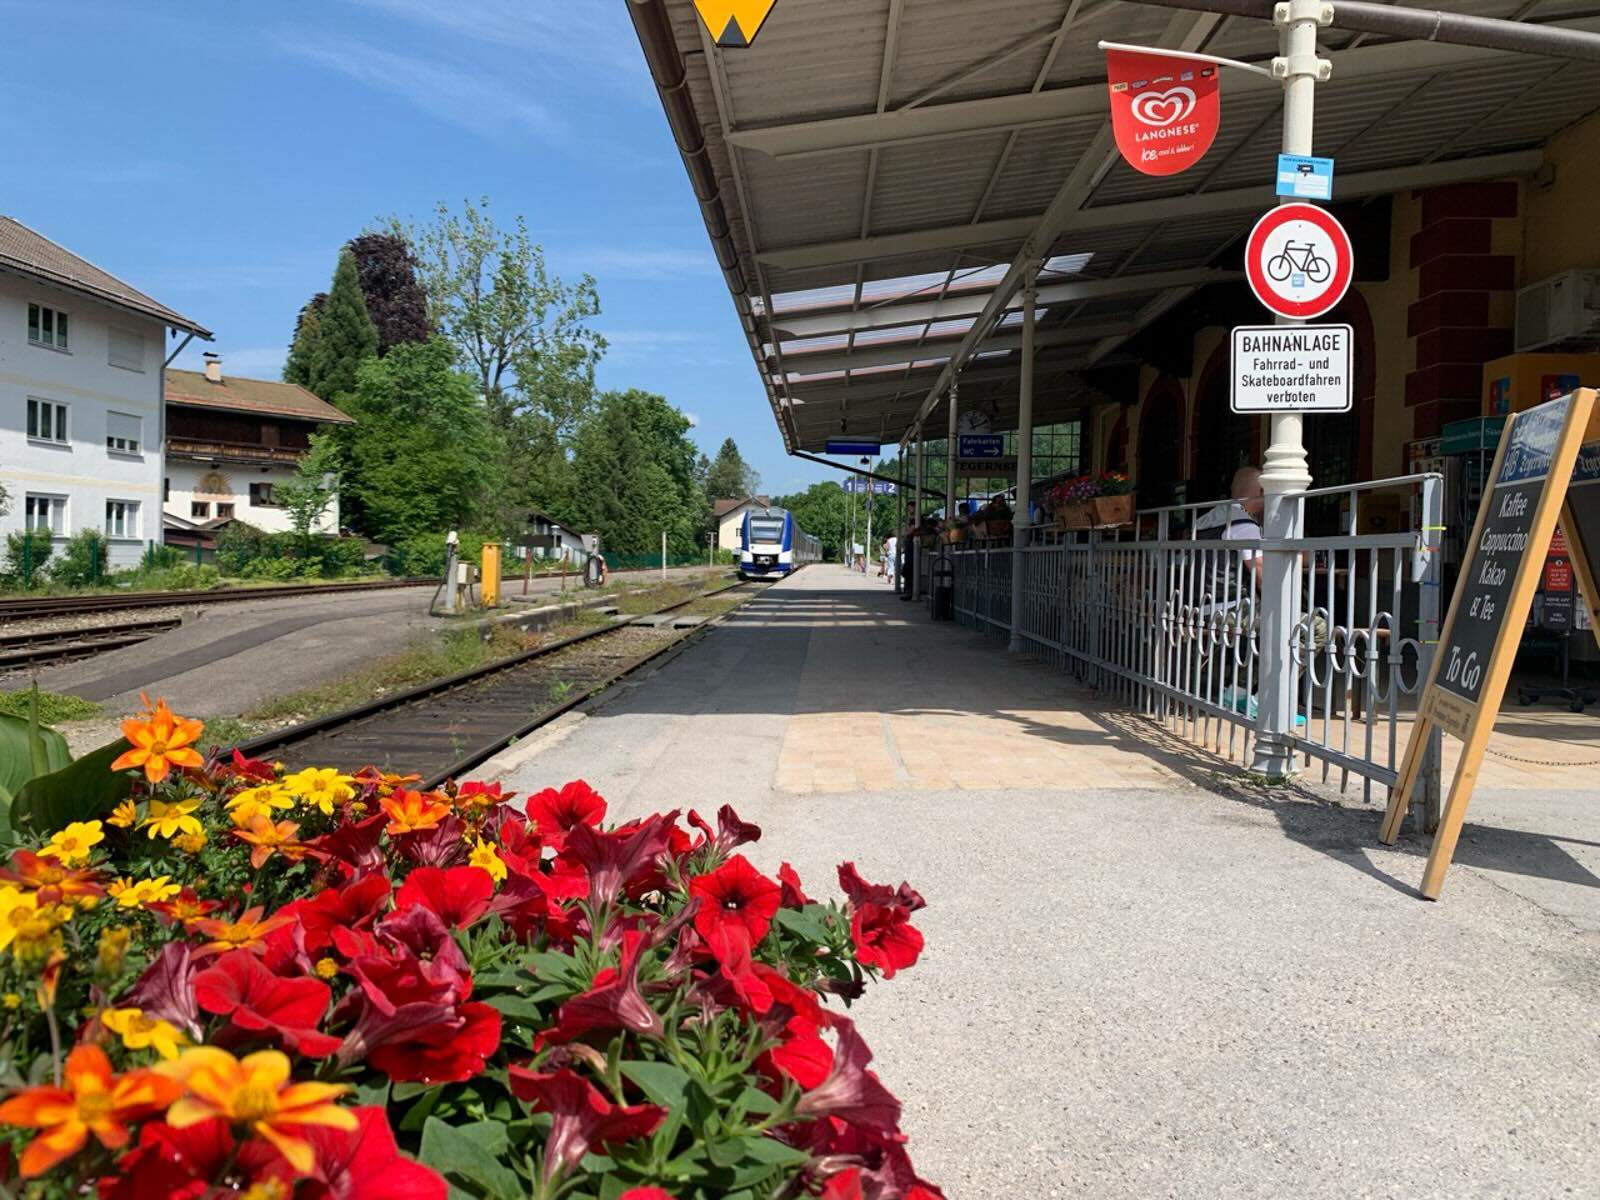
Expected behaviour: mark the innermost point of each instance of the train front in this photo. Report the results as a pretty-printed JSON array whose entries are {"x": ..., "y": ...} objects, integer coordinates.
[{"x": 768, "y": 545}]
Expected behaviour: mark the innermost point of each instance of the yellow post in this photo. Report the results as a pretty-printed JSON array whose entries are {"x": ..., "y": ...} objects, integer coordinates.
[{"x": 491, "y": 575}]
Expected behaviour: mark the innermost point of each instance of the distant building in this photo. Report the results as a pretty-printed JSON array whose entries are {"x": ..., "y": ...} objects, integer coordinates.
[
  {"x": 232, "y": 444},
  {"x": 81, "y": 420},
  {"x": 729, "y": 516},
  {"x": 556, "y": 540}
]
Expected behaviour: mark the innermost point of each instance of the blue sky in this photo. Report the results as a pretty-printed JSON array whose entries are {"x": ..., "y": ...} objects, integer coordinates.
[{"x": 216, "y": 153}]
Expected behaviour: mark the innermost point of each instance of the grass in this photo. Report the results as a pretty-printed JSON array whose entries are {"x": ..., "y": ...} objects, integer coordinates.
[
  {"x": 225, "y": 732},
  {"x": 54, "y": 708},
  {"x": 424, "y": 661}
]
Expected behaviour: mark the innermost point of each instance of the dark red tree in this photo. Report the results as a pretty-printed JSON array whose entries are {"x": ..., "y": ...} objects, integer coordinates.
[{"x": 395, "y": 299}]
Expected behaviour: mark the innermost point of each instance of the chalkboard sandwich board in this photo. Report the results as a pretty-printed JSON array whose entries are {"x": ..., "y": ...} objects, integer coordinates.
[{"x": 1504, "y": 561}]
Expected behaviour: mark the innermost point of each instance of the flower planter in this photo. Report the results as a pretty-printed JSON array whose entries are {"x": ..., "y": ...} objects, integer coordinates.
[
  {"x": 1113, "y": 510},
  {"x": 1077, "y": 516}
]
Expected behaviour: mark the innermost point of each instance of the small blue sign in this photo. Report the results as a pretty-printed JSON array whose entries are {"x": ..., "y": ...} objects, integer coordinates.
[
  {"x": 1305, "y": 178},
  {"x": 981, "y": 445},
  {"x": 852, "y": 448},
  {"x": 862, "y": 486}
]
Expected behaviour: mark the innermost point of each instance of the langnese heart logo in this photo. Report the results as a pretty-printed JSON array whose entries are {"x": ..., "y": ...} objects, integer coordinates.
[{"x": 1160, "y": 109}]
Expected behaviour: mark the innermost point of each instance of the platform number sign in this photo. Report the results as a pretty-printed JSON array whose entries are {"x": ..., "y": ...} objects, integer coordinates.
[
  {"x": 1533, "y": 476},
  {"x": 1299, "y": 261}
]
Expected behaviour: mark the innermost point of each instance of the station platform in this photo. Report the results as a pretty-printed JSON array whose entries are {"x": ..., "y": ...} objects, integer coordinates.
[{"x": 1141, "y": 976}]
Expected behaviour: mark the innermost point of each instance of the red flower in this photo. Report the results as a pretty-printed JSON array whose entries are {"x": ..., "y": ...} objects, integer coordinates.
[
  {"x": 258, "y": 1002},
  {"x": 457, "y": 895},
  {"x": 731, "y": 832},
  {"x": 177, "y": 1164},
  {"x": 557, "y": 813},
  {"x": 791, "y": 894},
  {"x": 355, "y": 906},
  {"x": 355, "y": 844},
  {"x": 477, "y": 794},
  {"x": 166, "y": 989},
  {"x": 186, "y": 906},
  {"x": 851, "y": 1092},
  {"x": 729, "y": 944},
  {"x": 614, "y": 1002},
  {"x": 862, "y": 892},
  {"x": 362, "y": 1164},
  {"x": 448, "y": 1051},
  {"x": 846, "y": 1185},
  {"x": 614, "y": 858},
  {"x": 735, "y": 893},
  {"x": 581, "y": 1117},
  {"x": 646, "y": 1193},
  {"x": 885, "y": 937}
]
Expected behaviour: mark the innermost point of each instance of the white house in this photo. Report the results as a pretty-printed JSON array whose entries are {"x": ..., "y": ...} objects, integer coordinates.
[
  {"x": 729, "y": 516},
  {"x": 554, "y": 540},
  {"x": 232, "y": 443},
  {"x": 81, "y": 415}
]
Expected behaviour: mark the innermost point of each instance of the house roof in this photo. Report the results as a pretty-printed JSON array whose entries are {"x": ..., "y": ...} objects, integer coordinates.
[
  {"x": 722, "y": 508},
  {"x": 192, "y": 389},
  {"x": 30, "y": 253},
  {"x": 537, "y": 515}
]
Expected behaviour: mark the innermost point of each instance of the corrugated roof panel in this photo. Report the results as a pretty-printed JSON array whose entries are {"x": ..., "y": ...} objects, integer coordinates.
[
  {"x": 933, "y": 183},
  {"x": 942, "y": 39},
  {"x": 1038, "y": 166},
  {"x": 800, "y": 201},
  {"x": 818, "y": 59}
]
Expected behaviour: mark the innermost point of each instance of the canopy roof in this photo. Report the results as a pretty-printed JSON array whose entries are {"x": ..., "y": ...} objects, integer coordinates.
[{"x": 875, "y": 174}]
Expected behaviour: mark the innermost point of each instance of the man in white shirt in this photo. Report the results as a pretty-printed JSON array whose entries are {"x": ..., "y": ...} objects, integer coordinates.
[
  {"x": 890, "y": 548},
  {"x": 1244, "y": 515}
]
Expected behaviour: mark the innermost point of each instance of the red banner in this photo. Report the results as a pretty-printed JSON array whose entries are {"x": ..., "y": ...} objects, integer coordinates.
[{"x": 1164, "y": 111}]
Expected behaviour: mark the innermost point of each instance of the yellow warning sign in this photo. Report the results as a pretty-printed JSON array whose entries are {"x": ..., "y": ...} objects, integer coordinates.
[{"x": 734, "y": 22}]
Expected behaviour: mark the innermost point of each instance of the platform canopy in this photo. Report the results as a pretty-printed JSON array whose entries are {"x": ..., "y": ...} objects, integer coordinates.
[{"x": 876, "y": 175}]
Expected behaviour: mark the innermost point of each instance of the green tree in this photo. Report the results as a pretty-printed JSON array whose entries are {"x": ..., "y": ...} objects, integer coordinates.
[
  {"x": 728, "y": 476},
  {"x": 822, "y": 510},
  {"x": 633, "y": 475},
  {"x": 307, "y": 497},
  {"x": 421, "y": 457},
  {"x": 345, "y": 335},
  {"x": 297, "y": 367}
]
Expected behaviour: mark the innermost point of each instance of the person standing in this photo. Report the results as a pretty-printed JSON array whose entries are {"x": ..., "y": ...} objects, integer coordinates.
[{"x": 890, "y": 550}]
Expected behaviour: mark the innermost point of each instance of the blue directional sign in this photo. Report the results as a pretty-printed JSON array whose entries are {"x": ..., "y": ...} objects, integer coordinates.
[
  {"x": 862, "y": 486},
  {"x": 853, "y": 448},
  {"x": 1305, "y": 178},
  {"x": 981, "y": 445}
]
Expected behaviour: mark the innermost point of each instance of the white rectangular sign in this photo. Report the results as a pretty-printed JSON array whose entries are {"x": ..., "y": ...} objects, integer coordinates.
[{"x": 1293, "y": 368}]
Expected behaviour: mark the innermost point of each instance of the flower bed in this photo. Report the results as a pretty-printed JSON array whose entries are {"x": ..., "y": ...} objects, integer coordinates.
[{"x": 220, "y": 980}]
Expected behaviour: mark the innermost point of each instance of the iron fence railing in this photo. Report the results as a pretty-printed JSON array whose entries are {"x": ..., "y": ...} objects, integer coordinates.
[{"x": 1167, "y": 621}]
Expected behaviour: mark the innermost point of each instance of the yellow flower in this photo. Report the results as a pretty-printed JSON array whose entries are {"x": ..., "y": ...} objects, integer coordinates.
[
  {"x": 167, "y": 820},
  {"x": 484, "y": 855},
  {"x": 139, "y": 1032},
  {"x": 16, "y": 907},
  {"x": 11, "y": 1000},
  {"x": 190, "y": 843},
  {"x": 267, "y": 1189},
  {"x": 147, "y": 891},
  {"x": 111, "y": 952},
  {"x": 321, "y": 786},
  {"x": 326, "y": 968},
  {"x": 124, "y": 815},
  {"x": 258, "y": 802},
  {"x": 72, "y": 844}
]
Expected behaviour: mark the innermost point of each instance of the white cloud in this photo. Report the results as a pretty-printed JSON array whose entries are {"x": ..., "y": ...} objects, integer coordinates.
[{"x": 473, "y": 100}]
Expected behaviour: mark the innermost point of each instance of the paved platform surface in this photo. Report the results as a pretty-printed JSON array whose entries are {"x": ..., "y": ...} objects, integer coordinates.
[{"x": 1133, "y": 985}]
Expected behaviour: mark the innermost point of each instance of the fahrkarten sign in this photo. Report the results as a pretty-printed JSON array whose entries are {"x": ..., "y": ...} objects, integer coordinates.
[{"x": 1292, "y": 368}]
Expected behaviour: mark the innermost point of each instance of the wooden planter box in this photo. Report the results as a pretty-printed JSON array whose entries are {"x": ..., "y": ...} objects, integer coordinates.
[
  {"x": 1077, "y": 516},
  {"x": 1113, "y": 510}
]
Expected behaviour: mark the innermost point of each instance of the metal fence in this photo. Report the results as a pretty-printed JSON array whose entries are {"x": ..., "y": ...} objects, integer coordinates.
[{"x": 1166, "y": 620}]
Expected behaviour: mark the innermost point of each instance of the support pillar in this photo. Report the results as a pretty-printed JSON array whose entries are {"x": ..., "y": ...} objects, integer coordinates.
[
  {"x": 1020, "y": 516},
  {"x": 1285, "y": 471},
  {"x": 950, "y": 454},
  {"x": 917, "y": 503}
]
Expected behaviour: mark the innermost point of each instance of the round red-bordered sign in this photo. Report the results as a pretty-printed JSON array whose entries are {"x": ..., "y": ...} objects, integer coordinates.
[{"x": 1299, "y": 261}]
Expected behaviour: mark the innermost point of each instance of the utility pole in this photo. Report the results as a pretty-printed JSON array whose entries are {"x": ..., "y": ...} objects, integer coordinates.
[
  {"x": 1020, "y": 511},
  {"x": 1285, "y": 470},
  {"x": 950, "y": 455}
]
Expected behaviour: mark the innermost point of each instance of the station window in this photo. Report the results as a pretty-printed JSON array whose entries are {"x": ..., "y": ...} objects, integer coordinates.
[
  {"x": 200, "y": 508},
  {"x": 122, "y": 518},
  {"x": 47, "y": 421},
  {"x": 262, "y": 496},
  {"x": 47, "y": 513},
  {"x": 47, "y": 327}
]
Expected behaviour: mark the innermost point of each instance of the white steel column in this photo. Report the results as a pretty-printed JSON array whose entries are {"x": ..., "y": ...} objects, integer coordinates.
[
  {"x": 916, "y": 514},
  {"x": 1020, "y": 511},
  {"x": 950, "y": 455},
  {"x": 1285, "y": 471}
]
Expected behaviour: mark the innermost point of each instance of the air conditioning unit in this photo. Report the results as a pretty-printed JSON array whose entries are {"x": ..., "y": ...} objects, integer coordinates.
[{"x": 1563, "y": 311}]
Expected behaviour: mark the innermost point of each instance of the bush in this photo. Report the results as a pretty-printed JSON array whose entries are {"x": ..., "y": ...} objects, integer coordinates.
[
  {"x": 423, "y": 553},
  {"x": 584, "y": 1011},
  {"x": 270, "y": 568},
  {"x": 163, "y": 557},
  {"x": 238, "y": 545},
  {"x": 83, "y": 561},
  {"x": 339, "y": 558},
  {"x": 27, "y": 552}
]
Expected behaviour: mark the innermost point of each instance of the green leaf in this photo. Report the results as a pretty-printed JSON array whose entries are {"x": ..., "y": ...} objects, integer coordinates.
[
  {"x": 18, "y": 747},
  {"x": 79, "y": 791},
  {"x": 373, "y": 1092},
  {"x": 664, "y": 1083},
  {"x": 473, "y": 1154},
  {"x": 807, "y": 922},
  {"x": 518, "y": 1008}
]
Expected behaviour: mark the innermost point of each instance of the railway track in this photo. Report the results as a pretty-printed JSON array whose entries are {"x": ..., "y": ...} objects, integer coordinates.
[
  {"x": 443, "y": 729},
  {"x": 51, "y": 646},
  {"x": 25, "y": 608}
]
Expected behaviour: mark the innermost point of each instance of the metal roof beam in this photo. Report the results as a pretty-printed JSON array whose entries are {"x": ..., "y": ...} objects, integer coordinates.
[
  {"x": 1028, "y": 109},
  {"x": 1140, "y": 212},
  {"x": 911, "y": 351},
  {"x": 1152, "y": 311},
  {"x": 887, "y": 316}
]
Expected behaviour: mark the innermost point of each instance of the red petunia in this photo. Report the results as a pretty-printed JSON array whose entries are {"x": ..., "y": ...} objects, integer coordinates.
[
  {"x": 581, "y": 1117},
  {"x": 448, "y": 1051},
  {"x": 613, "y": 858},
  {"x": 735, "y": 893},
  {"x": 457, "y": 895},
  {"x": 614, "y": 1002},
  {"x": 355, "y": 906},
  {"x": 557, "y": 813},
  {"x": 359, "y": 1164},
  {"x": 851, "y": 1092},
  {"x": 846, "y": 1185},
  {"x": 884, "y": 937},
  {"x": 259, "y": 1003},
  {"x": 646, "y": 1193},
  {"x": 176, "y": 1164},
  {"x": 791, "y": 894}
]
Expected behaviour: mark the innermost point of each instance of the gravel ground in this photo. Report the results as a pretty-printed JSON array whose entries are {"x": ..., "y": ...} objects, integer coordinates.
[
  {"x": 96, "y": 620},
  {"x": 1174, "y": 992}
]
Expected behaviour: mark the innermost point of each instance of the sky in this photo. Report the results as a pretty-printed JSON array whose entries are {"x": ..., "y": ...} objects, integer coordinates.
[{"x": 217, "y": 153}]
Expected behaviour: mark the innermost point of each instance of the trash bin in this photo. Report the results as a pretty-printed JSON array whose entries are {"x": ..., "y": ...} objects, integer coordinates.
[{"x": 944, "y": 588}]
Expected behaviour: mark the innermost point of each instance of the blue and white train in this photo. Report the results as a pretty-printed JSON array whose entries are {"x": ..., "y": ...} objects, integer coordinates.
[{"x": 772, "y": 545}]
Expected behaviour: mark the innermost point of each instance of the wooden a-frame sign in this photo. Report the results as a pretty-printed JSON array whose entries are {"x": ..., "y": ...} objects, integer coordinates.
[{"x": 1529, "y": 488}]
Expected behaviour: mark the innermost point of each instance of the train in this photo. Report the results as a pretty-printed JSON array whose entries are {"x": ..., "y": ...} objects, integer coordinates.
[{"x": 772, "y": 545}]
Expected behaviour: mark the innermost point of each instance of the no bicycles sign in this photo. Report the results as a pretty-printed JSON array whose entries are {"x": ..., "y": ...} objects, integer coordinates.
[{"x": 1299, "y": 261}]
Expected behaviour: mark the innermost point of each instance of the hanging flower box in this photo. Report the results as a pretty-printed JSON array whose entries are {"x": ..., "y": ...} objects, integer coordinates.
[
  {"x": 1113, "y": 510},
  {"x": 1077, "y": 516}
]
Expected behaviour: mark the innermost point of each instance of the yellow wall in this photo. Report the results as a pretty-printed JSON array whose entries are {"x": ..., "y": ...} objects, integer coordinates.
[{"x": 1561, "y": 227}]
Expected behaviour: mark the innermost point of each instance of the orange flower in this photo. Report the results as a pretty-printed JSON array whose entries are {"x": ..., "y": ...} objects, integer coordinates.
[
  {"x": 410, "y": 812},
  {"x": 255, "y": 1092},
  {"x": 269, "y": 839},
  {"x": 55, "y": 883},
  {"x": 382, "y": 782},
  {"x": 160, "y": 742},
  {"x": 249, "y": 932},
  {"x": 94, "y": 1100}
]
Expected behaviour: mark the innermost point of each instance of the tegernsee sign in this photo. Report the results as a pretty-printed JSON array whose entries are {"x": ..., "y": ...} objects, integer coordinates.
[
  {"x": 1292, "y": 368},
  {"x": 734, "y": 23}
]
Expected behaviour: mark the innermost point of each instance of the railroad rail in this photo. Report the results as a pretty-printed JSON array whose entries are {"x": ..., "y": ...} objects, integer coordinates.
[
  {"x": 49, "y": 646},
  {"x": 443, "y": 729},
  {"x": 27, "y": 607}
]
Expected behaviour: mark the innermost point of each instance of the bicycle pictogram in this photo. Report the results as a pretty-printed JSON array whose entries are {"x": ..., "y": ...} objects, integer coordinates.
[{"x": 1300, "y": 256}]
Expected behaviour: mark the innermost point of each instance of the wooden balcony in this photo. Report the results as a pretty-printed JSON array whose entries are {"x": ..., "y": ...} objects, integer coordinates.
[{"x": 208, "y": 450}]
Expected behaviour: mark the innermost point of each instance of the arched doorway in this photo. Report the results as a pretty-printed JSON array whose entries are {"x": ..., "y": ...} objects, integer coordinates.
[
  {"x": 1224, "y": 440},
  {"x": 1161, "y": 430}
]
